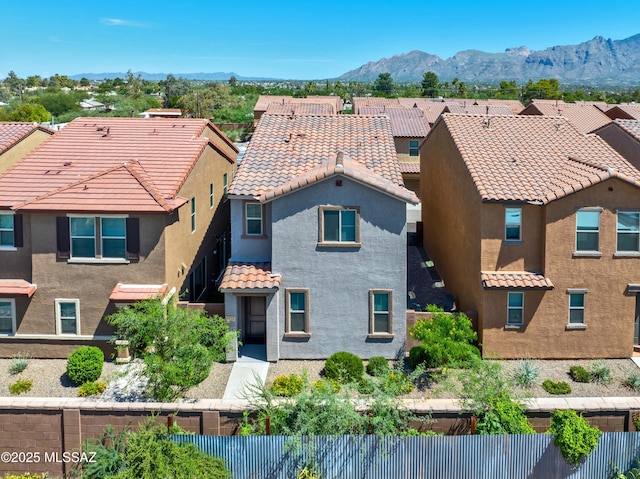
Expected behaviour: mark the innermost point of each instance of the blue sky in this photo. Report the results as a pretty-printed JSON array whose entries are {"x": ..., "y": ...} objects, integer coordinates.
[{"x": 291, "y": 40}]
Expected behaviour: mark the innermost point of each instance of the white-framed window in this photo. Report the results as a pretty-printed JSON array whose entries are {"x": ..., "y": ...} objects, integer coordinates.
[
  {"x": 380, "y": 307},
  {"x": 7, "y": 230},
  {"x": 193, "y": 214},
  {"x": 515, "y": 308},
  {"x": 98, "y": 237},
  {"x": 253, "y": 219},
  {"x": 211, "y": 198},
  {"x": 339, "y": 224},
  {"x": 297, "y": 311},
  {"x": 67, "y": 316},
  {"x": 414, "y": 147},
  {"x": 588, "y": 230},
  {"x": 113, "y": 232},
  {"x": 628, "y": 232},
  {"x": 83, "y": 237},
  {"x": 7, "y": 316},
  {"x": 576, "y": 307},
  {"x": 513, "y": 224}
]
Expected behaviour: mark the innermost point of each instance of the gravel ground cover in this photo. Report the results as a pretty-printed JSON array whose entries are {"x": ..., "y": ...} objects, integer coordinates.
[{"x": 50, "y": 379}]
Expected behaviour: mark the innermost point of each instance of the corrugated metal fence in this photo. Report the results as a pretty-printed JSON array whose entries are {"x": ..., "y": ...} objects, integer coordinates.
[{"x": 364, "y": 457}]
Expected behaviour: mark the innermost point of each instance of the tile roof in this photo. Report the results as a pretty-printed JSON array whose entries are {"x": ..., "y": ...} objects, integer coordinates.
[
  {"x": 300, "y": 109},
  {"x": 406, "y": 167},
  {"x": 137, "y": 292},
  {"x": 12, "y": 133},
  {"x": 584, "y": 117},
  {"x": 373, "y": 102},
  {"x": 632, "y": 127},
  {"x": 265, "y": 100},
  {"x": 627, "y": 112},
  {"x": 514, "y": 280},
  {"x": 283, "y": 148},
  {"x": 108, "y": 164},
  {"x": 341, "y": 165},
  {"x": 479, "y": 109},
  {"x": 532, "y": 158},
  {"x": 17, "y": 287},
  {"x": 249, "y": 276},
  {"x": 405, "y": 122},
  {"x": 514, "y": 105}
]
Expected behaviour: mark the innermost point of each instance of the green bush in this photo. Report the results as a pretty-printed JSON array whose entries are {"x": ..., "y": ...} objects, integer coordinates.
[
  {"x": 504, "y": 416},
  {"x": 579, "y": 374},
  {"x": 85, "y": 364},
  {"x": 377, "y": 366},
  {"x": 21, "y": 386},
  {"x": 344, "y": 367},
  {"x": 91, "y": 388},
  {"x": 396, "y": 383},
  {"x": 366, "y": 386},
  {"x": 632, "y": 380},
  {"x": 19, "y": 363},
  {"x": 556, "y": 387},
  {"x": 600, "y": 372},
  {"x": 447, "y": 340},
  {"x": 575, "y": 437},
  {"x": 326, "y": 386},
  {"x": 526, "y": 373},
  {"x": 287, "y": 386}
]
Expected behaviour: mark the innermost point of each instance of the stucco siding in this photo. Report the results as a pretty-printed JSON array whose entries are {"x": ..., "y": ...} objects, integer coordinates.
[{"x": 249, "y": 248}]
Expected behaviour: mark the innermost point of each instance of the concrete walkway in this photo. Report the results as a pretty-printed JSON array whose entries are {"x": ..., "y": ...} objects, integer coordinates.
[{"x": 250, "y": 367}]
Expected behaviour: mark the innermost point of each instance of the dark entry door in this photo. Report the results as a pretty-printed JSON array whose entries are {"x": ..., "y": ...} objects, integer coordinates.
[
  {"x": 636, "y": 328},
  {"x": 256, "y": 319}
]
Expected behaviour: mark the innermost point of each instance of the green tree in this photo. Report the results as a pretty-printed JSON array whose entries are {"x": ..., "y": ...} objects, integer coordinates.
[
  {"x": 430, "y": 84},
  {"x": 29, "y": 112},
  {"x": 59, "y": 103},
  {"x": 134, "y": 87},
  {"x": 383, "y": 85},
  {"x": 508, "y": 90},
  {"x": 84, "y": 82},
  {"x": 233, "y": 81},
  {"x": 545, "y": 88},
  {"x": 34, "y": 81}
]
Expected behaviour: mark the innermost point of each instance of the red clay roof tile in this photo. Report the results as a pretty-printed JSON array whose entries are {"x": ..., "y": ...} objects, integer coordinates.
[
  {"x": 514, "y": 280},
  {"x": 137, "y": 292},
  {"x": 12, "y": 133},
  {"x": 249, "y": 276},
  {"x": 17, "y": 287}
]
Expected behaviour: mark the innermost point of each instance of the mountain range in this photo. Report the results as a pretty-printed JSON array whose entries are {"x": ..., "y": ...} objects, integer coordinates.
[{"x": 598, "y": 61}]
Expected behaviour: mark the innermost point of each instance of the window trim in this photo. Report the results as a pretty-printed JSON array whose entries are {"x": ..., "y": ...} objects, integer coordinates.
[
  {"x": 58, "y": 302},
  {"x": 373, "y": 334},
  {"x": 98, "y": 240},
  {"x": 12, "y": 246},
  {"x": 586, "y": 252},
  {"x": 96, "y": 234},
  {"x": 192, "y": 213},
  {"x": 12, "y": 301},
  {"x": 245, "y": 230},
  {"x": 507, "y": 224},
  {"x": 520, "y": 308},
  {"x": 225, "y": 186},
  {"x": 211, "y": 196},
  {"x": 288, "y": 333},
  {"x": 415, "y": 148},
  {"x": 635, "y": 252},
  {"x": 343, "y": 244},
  {"x": 583, "y": 308}
]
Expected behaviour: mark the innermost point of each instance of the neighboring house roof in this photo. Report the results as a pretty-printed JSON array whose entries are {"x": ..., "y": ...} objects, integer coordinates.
[
  {"x": 109, "y": 164},
  {"x": 300, "y": 109},
  {"x": 632, "y": 127},
  {"x": 408, "y": 168},
  {"x": 17, "y": 287},
  {"x": 284, "y": 148},
  {"x": 514, "y": 105},
  {"x": 137, "y": 292},
  {"x": 478, "y": 109},
  {"x": 12, "y": 133},
  {"x": 584, "y": 117},
  {"x": 625, "y": 112},
  {"x": 374, "y": 102},
  {"x": 514, "y": 280},
  {"x": 90, "y": 104},
  {"x": 535, "y": 159},
  {"x": 162, "y": 113},
  {"x": 405, "y": 122},
  {"x": 265, "y": 100},
  {"x": 238, "y": 276}
]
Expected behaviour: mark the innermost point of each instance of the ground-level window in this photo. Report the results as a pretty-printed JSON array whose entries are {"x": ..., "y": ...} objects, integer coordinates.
[
  {"x": 7, "y": 316},
  {"x": 380, "y": 306},
  {"x": 67, "y": 316},
  {"x": 198, "y": 280},
  {"x": 576, "y": 307},
  {"x": 515, "y": 308},
  {"x": 297, "y": 311}
]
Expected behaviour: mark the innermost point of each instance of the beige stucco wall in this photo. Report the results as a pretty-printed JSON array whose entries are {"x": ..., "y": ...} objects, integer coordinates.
[
  {"x": 19, "y": 150},
  {"x": 609, "y": 313},
  {"x": 402, "y": 149}
]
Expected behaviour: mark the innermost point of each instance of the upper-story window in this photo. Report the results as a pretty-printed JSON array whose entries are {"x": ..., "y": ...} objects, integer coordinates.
[
  {"x": 114, "y": 237},
  {"x": 211, "y": 198},
  {"x": 84, "y": 237},
  {"x": 588, "y": 230},
  {"x": 253, "y": 219},
  {"x": 414, "y": 146},
  {"x": 628, "y": 232},
  {"x": 224, "y": 186},
  {"x": 339, "y": 225},
  {"x": 7, "y": 229},
  {"x": 513, "y": 224},
  {"x": 193, "y": 214}
]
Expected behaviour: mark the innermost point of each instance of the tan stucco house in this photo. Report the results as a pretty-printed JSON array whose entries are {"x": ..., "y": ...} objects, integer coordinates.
[
  {"x": 19, "y": 138},
  {"x": 536, "y": 228},
  {"x": 108, "y": 211}
]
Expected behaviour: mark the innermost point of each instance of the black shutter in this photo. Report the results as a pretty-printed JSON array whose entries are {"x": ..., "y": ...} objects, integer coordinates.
[
  {"x": 18, "y": 240},
  {"x": 62, "y": 236},
  {"x": 133, "y": 239}
]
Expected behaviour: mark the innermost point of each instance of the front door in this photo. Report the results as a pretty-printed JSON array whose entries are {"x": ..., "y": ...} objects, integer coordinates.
[
  {"x": 636, "y": 328},
  {"x": 255, "y": 320}
]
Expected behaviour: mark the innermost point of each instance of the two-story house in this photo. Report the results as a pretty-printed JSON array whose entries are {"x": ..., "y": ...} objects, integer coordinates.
[
  {"x": 535, "y": 227},
  {"x": 17, "y": 139},
  {"x": 106, "y": 212},
  {"x": 319, "y": 252}
]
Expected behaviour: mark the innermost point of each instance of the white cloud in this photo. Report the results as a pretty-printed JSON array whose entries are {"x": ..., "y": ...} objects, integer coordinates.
[{"x": 119, "y": 22}]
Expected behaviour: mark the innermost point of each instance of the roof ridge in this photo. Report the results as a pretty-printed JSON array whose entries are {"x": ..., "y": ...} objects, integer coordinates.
[{"x": 136, "y": 170}]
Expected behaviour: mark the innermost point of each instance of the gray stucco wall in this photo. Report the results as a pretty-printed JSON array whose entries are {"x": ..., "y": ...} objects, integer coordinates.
[
  {"x": 339, "y": 279},
  {"x": 247, "y": 248}
]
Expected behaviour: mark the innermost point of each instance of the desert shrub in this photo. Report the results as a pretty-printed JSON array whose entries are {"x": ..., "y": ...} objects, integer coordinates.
[
  {"x": 635, "y": 417},
  {"x": 556, "y": 387},
  {"x": 447, "y": 340},
  {"x": 504, "y": 416},
  {"x": 19, "y": 363},
  {"x": 396, "y": 383},
  {"x": 526, "y": 373},
  {"x": 91, "y": 388},
  {"x": 326, "y": 386},
  {"x": 575, "y": 437},
  {"x": 632, "y": 380},
  {"x": 344, "y": 367},
  {"x": 287, "y": 385},
  {"x": 579, "y": 374},
  {"x": 85, "y": 364},
  {"x": 21, "y": 385},
  {"x": 600, "y": 372},
  {"x": 366, "y": 386},
  {"x": 377, "y": 366}
]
